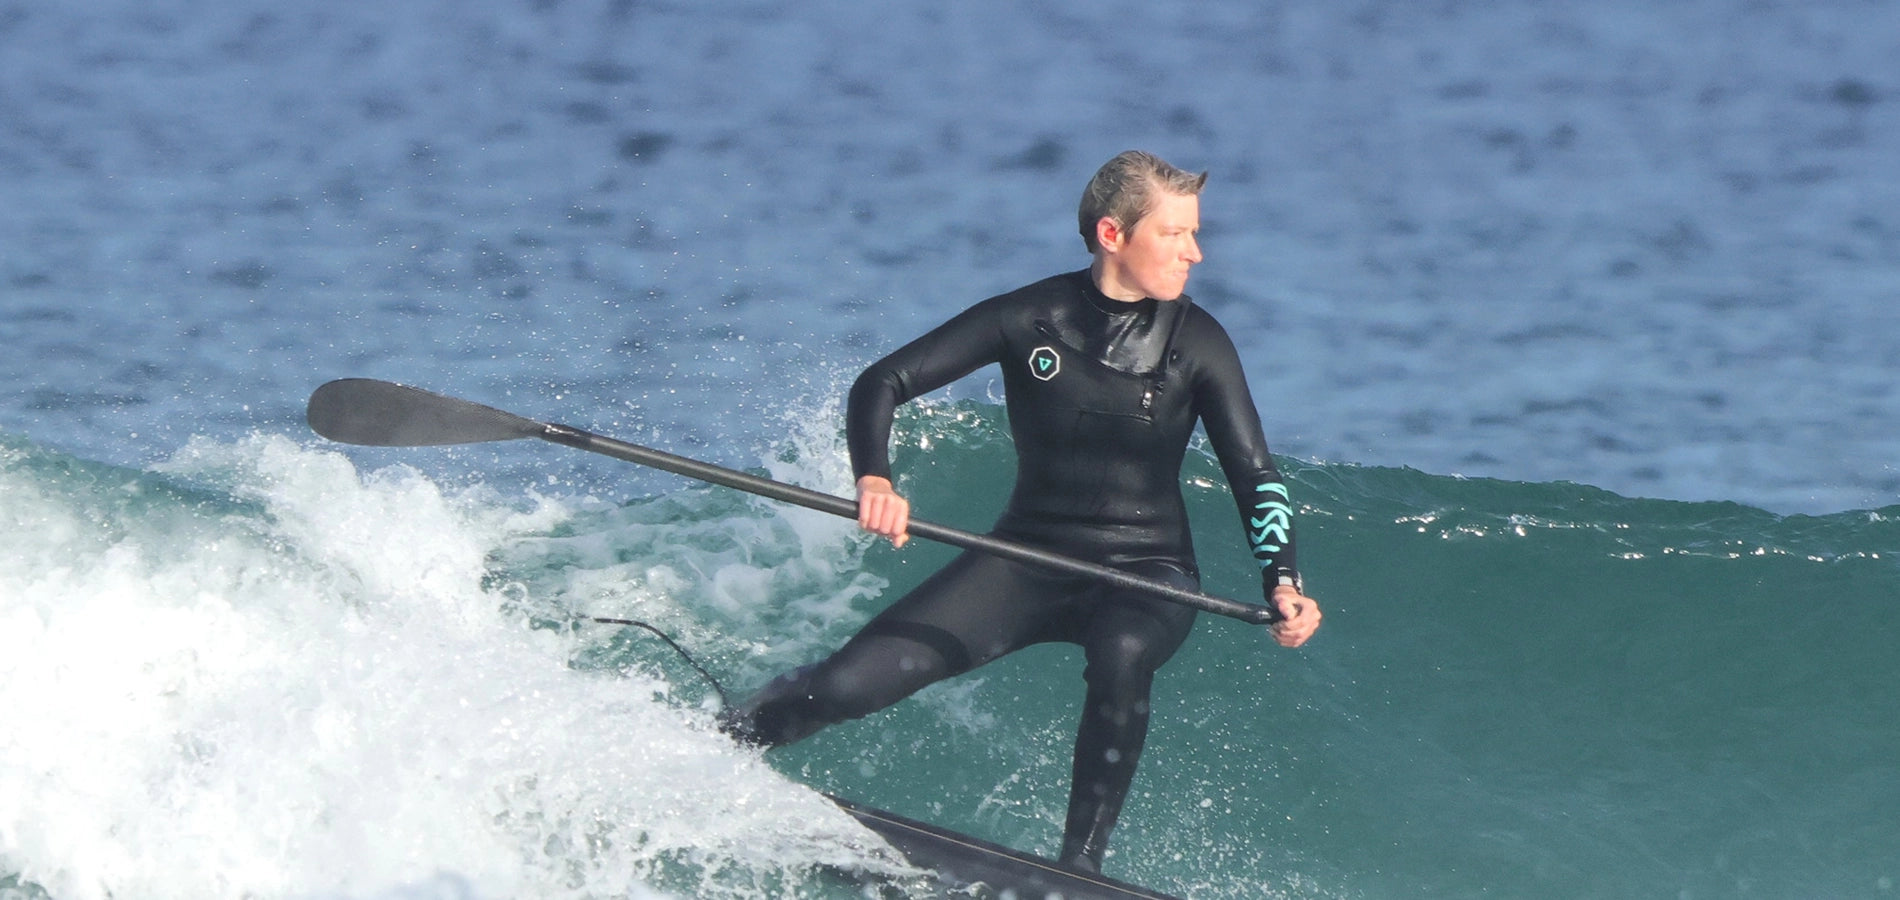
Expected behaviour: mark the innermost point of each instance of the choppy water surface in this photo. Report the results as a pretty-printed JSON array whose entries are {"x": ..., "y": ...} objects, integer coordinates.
[{"x": 1499, "y": 273}]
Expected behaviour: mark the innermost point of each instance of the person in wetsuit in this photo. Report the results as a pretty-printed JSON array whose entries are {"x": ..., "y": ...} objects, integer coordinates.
[{"x": 1105, "y": 372}]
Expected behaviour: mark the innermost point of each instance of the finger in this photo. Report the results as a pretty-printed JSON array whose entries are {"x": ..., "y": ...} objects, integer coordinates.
[
  {"x": 1297, "y": 628},
  {"x": 900, "y": 516},
  {"x": 899, "y": 522},
  {"x": 874, "y": 513},
  {"x": 1292, "y": 605},
  {"x": 886, "y": 515}
]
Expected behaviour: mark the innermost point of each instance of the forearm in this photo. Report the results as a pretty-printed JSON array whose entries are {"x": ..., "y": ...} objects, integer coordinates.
[
  {"x": 869, "y": 411},
  {"x": 1266, "y": 510},
  {"x": 948, "y": 352}
]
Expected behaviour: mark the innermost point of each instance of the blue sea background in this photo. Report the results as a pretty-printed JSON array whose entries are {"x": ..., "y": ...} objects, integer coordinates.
[{"x": 1574, "y": 326}]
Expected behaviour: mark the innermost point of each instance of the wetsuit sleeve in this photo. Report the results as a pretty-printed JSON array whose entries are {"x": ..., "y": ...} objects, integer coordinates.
[
  {"x": 952, "y": 350},
  {"x": 1226, "y": 408}
]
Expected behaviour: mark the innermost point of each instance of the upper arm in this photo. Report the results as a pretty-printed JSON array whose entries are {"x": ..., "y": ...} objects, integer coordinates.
[
  {"x": 946, "y": 353},
  {"x": 1225, "y": 403}
]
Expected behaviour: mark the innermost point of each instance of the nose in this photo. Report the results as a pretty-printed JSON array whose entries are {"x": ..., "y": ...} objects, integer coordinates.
[{"x": 1193, "y": 254}]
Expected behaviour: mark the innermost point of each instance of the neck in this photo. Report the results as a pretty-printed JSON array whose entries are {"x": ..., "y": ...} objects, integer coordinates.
[{"x": 1107, "y": 281}]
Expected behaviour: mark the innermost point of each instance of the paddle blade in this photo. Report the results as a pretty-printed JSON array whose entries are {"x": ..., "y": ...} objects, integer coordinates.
[{"x": 385, "y": 414}]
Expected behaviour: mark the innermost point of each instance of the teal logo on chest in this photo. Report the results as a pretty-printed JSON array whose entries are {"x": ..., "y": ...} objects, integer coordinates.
[{"x": 1044, "y": 363}]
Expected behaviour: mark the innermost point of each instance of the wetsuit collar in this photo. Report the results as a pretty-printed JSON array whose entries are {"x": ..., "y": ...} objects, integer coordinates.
[{"x": 1108, "y": 304}]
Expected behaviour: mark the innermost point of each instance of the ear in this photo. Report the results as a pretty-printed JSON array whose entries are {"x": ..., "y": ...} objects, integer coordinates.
[{"x": 1108, "y": 233}]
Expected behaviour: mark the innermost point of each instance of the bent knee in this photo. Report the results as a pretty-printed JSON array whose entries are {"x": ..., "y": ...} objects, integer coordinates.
[
  {"x": 1127, "y": 657},
  {"x": 846, "y": 693}
]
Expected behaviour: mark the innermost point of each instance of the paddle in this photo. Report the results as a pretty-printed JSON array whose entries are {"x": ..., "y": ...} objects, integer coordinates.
[{"x": 383, "y": 414}]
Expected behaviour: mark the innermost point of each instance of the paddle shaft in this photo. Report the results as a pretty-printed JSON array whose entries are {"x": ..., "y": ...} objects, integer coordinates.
[
  {"x": 385, "y": 414},
  {"x": 838, "y": 506}
]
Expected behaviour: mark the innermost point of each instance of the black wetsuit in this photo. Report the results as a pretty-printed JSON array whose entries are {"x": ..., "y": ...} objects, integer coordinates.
[{"x": 1103, "y": 397}]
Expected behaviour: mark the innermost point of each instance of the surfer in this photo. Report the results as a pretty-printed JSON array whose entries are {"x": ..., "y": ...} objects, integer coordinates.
[{"x": 1105, "y": 371}]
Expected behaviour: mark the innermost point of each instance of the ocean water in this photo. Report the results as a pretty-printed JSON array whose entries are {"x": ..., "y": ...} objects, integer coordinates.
[
  {"x": 1574, "y": 327},
  {"x": 257, "y": 669}
]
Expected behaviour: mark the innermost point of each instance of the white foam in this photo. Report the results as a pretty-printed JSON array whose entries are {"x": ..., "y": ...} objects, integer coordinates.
[{"x": 301, "y": 686}]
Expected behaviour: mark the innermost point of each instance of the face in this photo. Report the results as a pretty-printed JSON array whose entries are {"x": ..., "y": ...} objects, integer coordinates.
[{"x": 1152, "y": 259}]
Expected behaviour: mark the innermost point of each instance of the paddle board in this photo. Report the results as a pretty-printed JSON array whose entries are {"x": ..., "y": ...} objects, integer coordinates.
[{"x": 975, "y": 868}]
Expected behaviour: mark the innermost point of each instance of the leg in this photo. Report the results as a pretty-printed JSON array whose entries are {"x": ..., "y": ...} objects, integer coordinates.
[
  {"x": 1127, "y": 641},
  {"x": 874, "y": 670},
  {"x": 972, "y": 611}
]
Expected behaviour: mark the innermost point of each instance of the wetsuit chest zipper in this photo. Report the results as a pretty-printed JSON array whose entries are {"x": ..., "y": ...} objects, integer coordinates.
[
  {"x": 1151, "y": 384},
  {"x": 1167, "y": 355}
]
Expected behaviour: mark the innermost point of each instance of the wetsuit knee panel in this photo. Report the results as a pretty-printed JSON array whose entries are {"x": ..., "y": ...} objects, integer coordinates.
[
  {"x": 883, "y": 664},
  {"x": 1121, "y": 663}
]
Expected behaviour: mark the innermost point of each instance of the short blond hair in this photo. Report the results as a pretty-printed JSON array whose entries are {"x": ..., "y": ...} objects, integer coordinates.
[{"x": 1123, "y": 190}]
